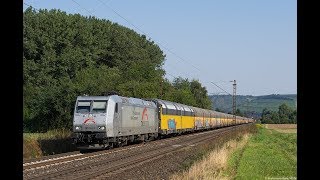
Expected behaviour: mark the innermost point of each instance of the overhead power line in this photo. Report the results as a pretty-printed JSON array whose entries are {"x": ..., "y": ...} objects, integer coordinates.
[
  {"x": 122, "y": 17},
  {"x": 220, "y": 88},
  {"x": 68, "y": 43},
  {"x": 139, "y": 29},
  {"x": 82, "y": 7}
]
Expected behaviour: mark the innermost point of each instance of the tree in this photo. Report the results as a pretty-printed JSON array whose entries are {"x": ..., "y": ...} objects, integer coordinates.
[
  {"x": 293, "y": 117},
  {"x": 274, "y": 117},
  {"x": 66, "y": 55},
  {"x": 201, "y": 95},
  {"x": 239, "y": 113},
  {"x": 284, "y": 113},
  {"x": 265, "y": 115},
  {"x": 217, "y": 109}
]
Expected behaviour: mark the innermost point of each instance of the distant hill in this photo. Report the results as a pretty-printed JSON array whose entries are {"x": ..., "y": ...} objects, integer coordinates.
[{"x": 253, "y": 105}]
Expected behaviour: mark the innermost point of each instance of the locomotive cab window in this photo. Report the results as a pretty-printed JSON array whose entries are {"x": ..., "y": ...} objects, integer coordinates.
[
  {"x": 99, "y": 106},
  {"x": 83, "y": 107}
]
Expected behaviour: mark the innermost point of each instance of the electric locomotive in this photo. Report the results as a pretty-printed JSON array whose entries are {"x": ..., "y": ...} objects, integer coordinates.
[{"x": 105, "y": 121}]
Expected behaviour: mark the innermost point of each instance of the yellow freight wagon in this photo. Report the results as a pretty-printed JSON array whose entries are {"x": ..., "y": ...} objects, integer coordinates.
[
  {"x": 178, "y": 118},
  {"x": 175, "y": 117}
]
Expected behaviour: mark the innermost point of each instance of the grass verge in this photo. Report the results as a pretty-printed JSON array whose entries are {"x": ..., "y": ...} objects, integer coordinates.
[
  {"x": 210, "y": 161},
  {"x": 41, "y": 144},
  {"x": 212, "y": 165}
]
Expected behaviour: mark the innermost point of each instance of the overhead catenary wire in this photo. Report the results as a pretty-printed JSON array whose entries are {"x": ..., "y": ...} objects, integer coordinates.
[
  {"x": 179, "y": 57},
  {"x": 182, "y": 59},
  {"x": 82, "y": 7},
  {"x": 220, "y": 88},
  {"x": 143, "y": 33},
  {"x": 139, "y": 29},
  {"x": 68, "y": 43}
]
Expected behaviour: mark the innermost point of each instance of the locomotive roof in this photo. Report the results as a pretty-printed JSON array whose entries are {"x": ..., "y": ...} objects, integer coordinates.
[
  {"x": 126, "y": 100},
  {"x": 93, "y": 97}
]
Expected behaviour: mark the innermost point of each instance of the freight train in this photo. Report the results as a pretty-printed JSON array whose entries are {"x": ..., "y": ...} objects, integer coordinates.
[{"x": 107, "y": 121}]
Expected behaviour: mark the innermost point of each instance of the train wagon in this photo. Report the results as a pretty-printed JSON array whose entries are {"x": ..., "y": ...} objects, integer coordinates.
[{"x": 174, "y": 117}]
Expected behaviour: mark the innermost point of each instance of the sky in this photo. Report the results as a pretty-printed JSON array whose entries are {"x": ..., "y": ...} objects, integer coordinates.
[{"x": 214, "y": 41}]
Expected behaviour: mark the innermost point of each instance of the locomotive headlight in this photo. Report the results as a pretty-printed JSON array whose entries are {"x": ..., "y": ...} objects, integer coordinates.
[
  {"x": 101, "y": 127},
  {"x": 78, "y": 128}
]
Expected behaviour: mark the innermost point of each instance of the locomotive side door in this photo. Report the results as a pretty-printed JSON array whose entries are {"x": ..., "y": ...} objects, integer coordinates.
[{"x": 117, "y": 121}]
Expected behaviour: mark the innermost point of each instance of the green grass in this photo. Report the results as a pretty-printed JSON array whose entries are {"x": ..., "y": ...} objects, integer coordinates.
[
  {"x": 52, "y": 134},
  {"x": 268, "y": 154}
]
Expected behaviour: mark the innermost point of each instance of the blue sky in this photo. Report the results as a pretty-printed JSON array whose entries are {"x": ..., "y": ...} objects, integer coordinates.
[{"x": 251, "y": 41}]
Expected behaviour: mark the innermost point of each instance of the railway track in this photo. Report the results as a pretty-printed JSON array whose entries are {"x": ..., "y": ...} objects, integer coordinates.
[
  {"x": 71, "y": 157},
  {"x": 48, "y": 158},
  {"x": 103, "y": 163}
]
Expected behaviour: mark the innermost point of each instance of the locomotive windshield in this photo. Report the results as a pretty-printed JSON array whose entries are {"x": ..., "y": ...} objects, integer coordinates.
[
  {"x": 99, "y": 106},
  {"x": 83, "y": 107},
  {"x": 92, "y": 106}
]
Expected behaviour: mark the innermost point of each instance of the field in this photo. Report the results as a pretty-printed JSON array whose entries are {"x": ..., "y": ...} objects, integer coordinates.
[
  {"x": 269, "y": 154},
  {"x": 282, "y": 128}
]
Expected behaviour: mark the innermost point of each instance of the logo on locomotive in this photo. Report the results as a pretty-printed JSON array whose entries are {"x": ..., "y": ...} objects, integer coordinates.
[
  {"x": 145, "y": 114},
  {"x": 89, "y": 120}
]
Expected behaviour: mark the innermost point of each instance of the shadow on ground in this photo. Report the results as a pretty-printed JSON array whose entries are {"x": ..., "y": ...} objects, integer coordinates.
[{"x": 56, "y": 146}]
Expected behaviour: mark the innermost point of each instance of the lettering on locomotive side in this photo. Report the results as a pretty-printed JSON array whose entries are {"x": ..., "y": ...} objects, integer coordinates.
[
  {"x": 144, "y": 123},
  {"x": 135, "y": 115}
]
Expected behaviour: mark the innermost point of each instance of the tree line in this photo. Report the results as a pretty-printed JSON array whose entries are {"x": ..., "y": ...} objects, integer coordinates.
[
  {"x": 284, "y": 115},
  {"x": 67, "y": 55}
]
